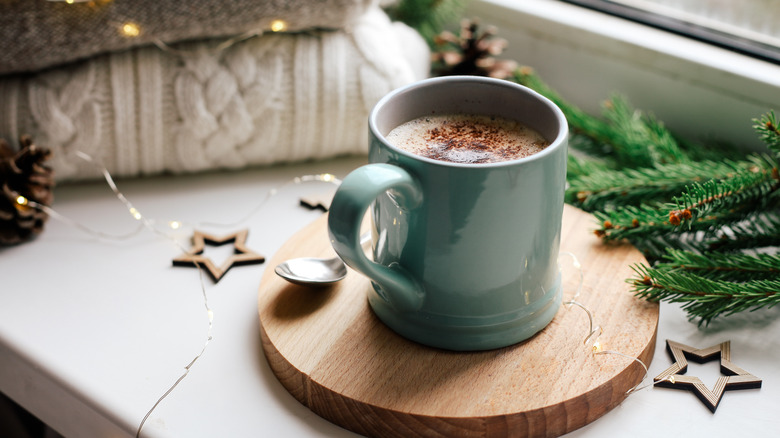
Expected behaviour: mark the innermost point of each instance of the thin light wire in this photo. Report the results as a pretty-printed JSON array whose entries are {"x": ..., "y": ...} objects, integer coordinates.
[
  {"x": 189, "y": 366},
  {"x": 54, "y": 214},
  {"x": 576, "y": 263},
  {"x": 215, "y": 51},
  {"x": 324, "y": 177},
  {"x": 149, "y": 224},
  {"x": 594, "y": 331}
]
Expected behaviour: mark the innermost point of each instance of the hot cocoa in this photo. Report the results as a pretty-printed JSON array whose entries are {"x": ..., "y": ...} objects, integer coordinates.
[{"x": 472, "y": 139}]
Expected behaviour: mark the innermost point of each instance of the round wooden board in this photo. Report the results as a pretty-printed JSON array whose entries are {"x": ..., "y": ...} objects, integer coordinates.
[{"x": 333, "y": 355}]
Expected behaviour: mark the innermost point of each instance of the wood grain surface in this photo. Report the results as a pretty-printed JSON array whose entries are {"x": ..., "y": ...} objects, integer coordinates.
[{"x": 333, "y": 355}]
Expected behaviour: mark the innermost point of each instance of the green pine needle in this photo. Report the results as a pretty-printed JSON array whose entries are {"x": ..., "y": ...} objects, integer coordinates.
[
  {"x": 581, "y": 166},
  {"x": 645, "y": 221},
  {"x": 428, "y": 17},
  {"x": 721, "y": 266},
  {"x": 603, "y": 188},
  {"x": 757, "y": 231},
  {"x": 579, "y": 121},
  {"x": 745, "y": 191},
  {"x": 769, "y": 132},
  {"x": 701, "y": 297},
  {"x": 643, "y": 140}
]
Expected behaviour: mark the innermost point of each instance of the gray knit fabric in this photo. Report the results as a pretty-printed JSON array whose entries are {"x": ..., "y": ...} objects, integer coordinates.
[
  {"x": 37, "y": 34},
  {"x": 274, "y": 98}
]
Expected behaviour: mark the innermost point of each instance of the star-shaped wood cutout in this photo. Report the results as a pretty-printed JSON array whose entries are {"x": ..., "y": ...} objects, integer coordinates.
[
  {"x": 735, "y": 377},
  {"x": 242, "y": 255},
  {"x": 319, "y": 201}
]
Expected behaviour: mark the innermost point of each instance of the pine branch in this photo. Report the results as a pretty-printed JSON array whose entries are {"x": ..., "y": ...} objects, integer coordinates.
[
  {"x": 643, "y": 140},
  {"x": 721, "y": 266},
  {"x": 712, "y": 150},
  {"x": 428, "y": 17},
  {"x": 702, "y": 297},
  {"x": 655, "y": 247},
  {"x": 633, "y": 138},
  {"x": 645, "y": 221},
  {"x": 581, "y": 166},
  {"x": 759, "y": 231},
  {"x": 592, "y": 147},
  {"x": 579, "y": 121},
  {"x": 769, "y": 132},
  {"x": 604, "y": 188},
  {"x": 747, "y": 190}
]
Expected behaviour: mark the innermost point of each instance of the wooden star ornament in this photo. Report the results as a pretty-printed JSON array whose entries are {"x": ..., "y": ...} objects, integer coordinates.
[
  {"x": 242, "y": 255},
  {"x": 735, "y": 377},
  {"x": 318, "y": 201}
]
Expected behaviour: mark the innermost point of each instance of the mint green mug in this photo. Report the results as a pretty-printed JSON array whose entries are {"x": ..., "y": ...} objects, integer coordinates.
[{"x": 464, "y": 255}]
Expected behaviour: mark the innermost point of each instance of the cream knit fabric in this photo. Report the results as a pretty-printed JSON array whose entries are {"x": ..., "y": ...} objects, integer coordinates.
[{"x": 279, "y": 97}]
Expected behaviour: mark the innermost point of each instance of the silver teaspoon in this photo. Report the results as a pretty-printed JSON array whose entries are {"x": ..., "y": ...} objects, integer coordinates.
[{"x": 312, "y": 271}]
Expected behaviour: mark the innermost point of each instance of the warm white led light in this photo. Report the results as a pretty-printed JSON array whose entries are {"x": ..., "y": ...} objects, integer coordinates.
[
  {"x": 278, "y": 26},
  {"x": 130, "y": 29},
  {"x": 135, "y": 213}
]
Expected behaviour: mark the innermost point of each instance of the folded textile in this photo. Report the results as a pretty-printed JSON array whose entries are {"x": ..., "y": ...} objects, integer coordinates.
[
  {"x": 273, "y": 98},
  {"x": 36, "y": 34}
]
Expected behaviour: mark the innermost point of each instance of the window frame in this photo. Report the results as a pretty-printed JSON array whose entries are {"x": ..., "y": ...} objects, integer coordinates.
[{"x": 691, "y": 30}]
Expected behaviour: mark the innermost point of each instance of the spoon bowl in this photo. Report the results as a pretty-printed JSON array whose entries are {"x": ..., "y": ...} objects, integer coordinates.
[{"x": 312, "y": 271}]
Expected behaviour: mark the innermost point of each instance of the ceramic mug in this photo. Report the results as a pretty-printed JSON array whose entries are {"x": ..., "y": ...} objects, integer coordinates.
[{"x": 464, "y": 255}]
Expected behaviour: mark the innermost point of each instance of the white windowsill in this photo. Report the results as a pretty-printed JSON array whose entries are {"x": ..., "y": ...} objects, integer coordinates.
[{"x": 698, "y": 90}]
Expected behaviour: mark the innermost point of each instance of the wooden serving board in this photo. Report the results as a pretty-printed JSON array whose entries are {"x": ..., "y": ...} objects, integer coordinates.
[{"x": 333, "y": 355}]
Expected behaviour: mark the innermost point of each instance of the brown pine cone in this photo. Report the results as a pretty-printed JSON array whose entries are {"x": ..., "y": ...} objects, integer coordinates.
[
  {"x": 471, "y": 53},
  {"x": 23, "y": 173}
]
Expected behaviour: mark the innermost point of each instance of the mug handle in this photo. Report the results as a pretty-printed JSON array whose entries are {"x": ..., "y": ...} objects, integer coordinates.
[{"x": 355, "y": 194}]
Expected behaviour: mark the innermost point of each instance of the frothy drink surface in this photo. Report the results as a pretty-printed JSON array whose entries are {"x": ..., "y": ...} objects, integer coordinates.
[{"x": 462, "y": 138}]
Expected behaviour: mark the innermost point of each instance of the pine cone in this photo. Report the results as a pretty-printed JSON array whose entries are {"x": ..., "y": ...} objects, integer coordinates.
[
  {"x": 471, "y": 53},
  {"x": 23, "y": 173}
]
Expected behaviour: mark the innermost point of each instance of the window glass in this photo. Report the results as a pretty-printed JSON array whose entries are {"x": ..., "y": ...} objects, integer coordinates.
[{"x": 748, "y": 26}]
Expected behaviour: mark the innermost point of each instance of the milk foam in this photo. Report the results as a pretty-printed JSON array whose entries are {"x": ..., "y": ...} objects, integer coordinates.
[{"x": 462, "y": 138}]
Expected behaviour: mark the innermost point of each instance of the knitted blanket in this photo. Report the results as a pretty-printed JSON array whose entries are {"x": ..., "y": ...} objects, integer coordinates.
[
  {"x": 278, "y": 97},
  {"x": 36, "y": 34}
]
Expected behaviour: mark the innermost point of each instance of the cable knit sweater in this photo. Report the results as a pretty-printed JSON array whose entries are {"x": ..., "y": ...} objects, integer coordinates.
[{"x": 278, "y": 97}]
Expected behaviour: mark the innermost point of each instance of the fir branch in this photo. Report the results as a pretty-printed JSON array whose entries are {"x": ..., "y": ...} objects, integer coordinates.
[
  {"x": 769, "y": 132},
  {"x": 592, "y": 147},
  {"x": 749, "y": 189},
  {"x": 721, "y": 266},
  {"x": 643, "y": 140},
  {"x": 712, "y": 150},
  {"x": 581, "y": 166},
  {"x": 579, "y": 121},
  {"x": 702, "y": 297},
  {"x": 646, "y": 220},
  {"x": 631, "y": 221},
  {"x": 634, "y": 139},
  {"x": 655, "y": 246},
  {"x": 428, "y": 17},
  {"x": 604, "y": 188},
  {"x": 759, "y": 231}
]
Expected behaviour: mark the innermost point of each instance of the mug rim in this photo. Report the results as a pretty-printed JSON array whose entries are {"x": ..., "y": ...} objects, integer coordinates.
[{"x": 559, "y": 141}]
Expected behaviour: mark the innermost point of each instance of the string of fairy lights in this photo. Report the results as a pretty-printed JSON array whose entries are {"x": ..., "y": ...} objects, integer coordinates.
[
  {"x": 131, "y": 29},
  {"x": 164, "y": 229}
]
